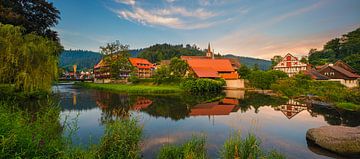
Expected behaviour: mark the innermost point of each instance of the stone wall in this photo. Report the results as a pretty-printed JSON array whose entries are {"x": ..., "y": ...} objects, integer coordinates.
[{"x": 235, "y": 84}]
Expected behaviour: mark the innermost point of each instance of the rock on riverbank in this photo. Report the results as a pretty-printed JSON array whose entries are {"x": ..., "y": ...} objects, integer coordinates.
[{"x": 339, "y": 139}]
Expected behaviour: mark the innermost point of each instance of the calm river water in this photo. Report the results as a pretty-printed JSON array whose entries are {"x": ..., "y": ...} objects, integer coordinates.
[{"x": 280, "y": 124}]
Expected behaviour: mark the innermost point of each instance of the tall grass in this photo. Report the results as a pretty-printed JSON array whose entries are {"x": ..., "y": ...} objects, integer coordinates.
[
  {"x": 39, "y": 134},
  {"x": 192, "y": 149},
  {"x": 235, "y": 147}
]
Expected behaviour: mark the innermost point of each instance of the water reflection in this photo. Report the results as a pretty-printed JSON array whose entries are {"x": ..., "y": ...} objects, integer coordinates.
[{"x": 179, "y": 107}]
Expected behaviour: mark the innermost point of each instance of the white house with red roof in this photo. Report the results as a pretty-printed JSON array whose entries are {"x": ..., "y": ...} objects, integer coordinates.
[{"x": 290, "y": 65}]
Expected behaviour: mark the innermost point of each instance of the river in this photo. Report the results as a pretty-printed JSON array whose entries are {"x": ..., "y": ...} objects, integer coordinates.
[{"x": 279, "y": 124}]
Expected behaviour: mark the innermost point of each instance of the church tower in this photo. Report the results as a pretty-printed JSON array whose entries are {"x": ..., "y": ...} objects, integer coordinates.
[{"x": 209, "y": 53}]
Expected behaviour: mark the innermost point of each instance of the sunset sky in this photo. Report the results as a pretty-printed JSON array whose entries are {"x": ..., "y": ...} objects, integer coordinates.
[{"x": 251, "y": 28}]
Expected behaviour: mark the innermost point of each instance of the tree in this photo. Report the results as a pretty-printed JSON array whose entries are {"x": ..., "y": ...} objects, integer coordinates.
[
  {"x": 260, "y": 79},
  {"x": 256, "y": 67},
  {"x": 304, "y": 60},
  {"x": 275, "y": 60},
  {"x": 120, "y": 65},
  {"x": 34, "y": 15},
  {"x": 27, "y": 60},
  {"x": 162, "y": 74},
  {"x": 178, "y": 67},
  {"x": 244, "y": 71},
  {"x": 115, "y": 48}
]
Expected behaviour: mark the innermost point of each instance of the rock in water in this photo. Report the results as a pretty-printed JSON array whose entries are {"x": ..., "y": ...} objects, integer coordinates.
[{"x": 339, "y": 139}]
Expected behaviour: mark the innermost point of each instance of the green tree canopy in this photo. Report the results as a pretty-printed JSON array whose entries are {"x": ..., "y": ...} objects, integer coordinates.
[
  {"x": 34, "y": 15},
  {"x": 178, "y": 67},
  {"x": 27, "y": 60},
  {"x": 115, "y": 48},
  {"x": 345, "y": 48}
]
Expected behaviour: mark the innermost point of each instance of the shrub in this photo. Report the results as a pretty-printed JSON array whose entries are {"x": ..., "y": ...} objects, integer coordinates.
[
  {"x": 202, "y": 85},
  {"x": 194, "y": 148}
]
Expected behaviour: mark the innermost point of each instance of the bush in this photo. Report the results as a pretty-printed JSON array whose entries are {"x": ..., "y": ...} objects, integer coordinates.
[
  {"x": 193, "y": 149},
  {"x": 202, "y": 85}
]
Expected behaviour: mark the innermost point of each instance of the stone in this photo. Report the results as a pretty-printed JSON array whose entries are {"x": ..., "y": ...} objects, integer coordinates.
[{"x": 340, "y": 139}]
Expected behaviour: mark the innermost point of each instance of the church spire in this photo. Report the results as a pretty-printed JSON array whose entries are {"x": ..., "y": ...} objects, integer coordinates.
[
  {"x": 209, "y": 53},
  {"x": 209, "y": 49}
]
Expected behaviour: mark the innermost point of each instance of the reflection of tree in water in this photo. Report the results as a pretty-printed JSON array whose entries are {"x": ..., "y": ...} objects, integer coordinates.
[
  {"x": 257, "y": 100},
  {"x": 113, "y": 105},
  {"x": 336, "y": 116}
]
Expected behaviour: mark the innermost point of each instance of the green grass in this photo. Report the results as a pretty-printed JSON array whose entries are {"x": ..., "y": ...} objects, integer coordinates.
[
  {"x": 348, "y": 106},
  {"x": 134, "y": 88},
  {"x": 192, "y": 149},
  {"x": 235, "y": 147}
]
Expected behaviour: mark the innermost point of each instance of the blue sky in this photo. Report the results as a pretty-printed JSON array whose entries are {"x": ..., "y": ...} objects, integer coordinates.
[{"x": 261, "y": 28}]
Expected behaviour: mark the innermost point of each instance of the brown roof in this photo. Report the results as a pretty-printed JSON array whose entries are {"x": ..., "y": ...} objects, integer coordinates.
[
  {"x": 345, "y": 66},
  {"x": 345, "y": 72},
  {"x": 314, "y": 74}
]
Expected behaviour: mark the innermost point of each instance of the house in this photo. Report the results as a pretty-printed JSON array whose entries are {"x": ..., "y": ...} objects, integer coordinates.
[
  {"x": 235, "y": 63},
  {"x": 340, "y": 72},
  {"x": 144, "y": 69},
  {"x": 315, "y": 75},
  {"x": 212, "y": 68},
  {"x": 102, "y": 72},
  {"x": 290, "y": 65}
]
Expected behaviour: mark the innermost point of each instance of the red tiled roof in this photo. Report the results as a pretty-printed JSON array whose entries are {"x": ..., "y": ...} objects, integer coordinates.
[
  {"x": 100, "y": 64},
  {"x": 211, "y": 109},
  {"x": 210, "y": 67},
  {"x": 219, "y": 65},
  {"x": 193, "y": 57},
  {"x": 136, "y": 61}
]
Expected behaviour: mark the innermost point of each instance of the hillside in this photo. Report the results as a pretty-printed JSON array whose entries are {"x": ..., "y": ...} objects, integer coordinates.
[
  {"x": 82, "y": 58},
  {"x": 250, "y": 62},
  {"x": 345, "y": 48}
]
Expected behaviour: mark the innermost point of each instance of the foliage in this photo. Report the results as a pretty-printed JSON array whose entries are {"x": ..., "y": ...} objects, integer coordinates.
[
  {"x": 115, "y": 48},
  {"x": 159, "y": 52},
  {"x": 178, "y": 67},
  {"x": 172, "y": 73},
  {"x": 264, "y": 79},
  {"x": 30, "y": 135},
  {"x": 134, "y": 78},
  {"x": 121, "y": 140},
  {"x": 194, "y": 148},
  {"x": 34, "y": 15},
  {"x": 244, "y": 71},
  {"x": 237, "y": 147},
  {"x": 304, "y": 60},
  {"x": 120, "y": 65},
  {"x": 329, "y": 91},
  {"x": 83, "y": 59},
  {"x": 275, "y": 60},
  {"x": 346, "y": 48},
  {"x": 29, "y": 61},
  {"x": 202, "y": 85}
]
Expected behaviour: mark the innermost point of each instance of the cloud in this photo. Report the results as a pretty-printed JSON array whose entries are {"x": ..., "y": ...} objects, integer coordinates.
[
  {"x": 175, "y": 17},
  {"x": 252, "y": 41},
  {"x": 127, "y": 2}
]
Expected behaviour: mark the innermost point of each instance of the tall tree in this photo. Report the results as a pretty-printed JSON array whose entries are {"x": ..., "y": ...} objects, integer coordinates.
[
  {"x": 115, "y": 48},
  {"x": 27, "y": 60},
  {"x": 34, "y": 15},
  {"x": 275, "y": 60},
  {"x": 178, "y": 67}
]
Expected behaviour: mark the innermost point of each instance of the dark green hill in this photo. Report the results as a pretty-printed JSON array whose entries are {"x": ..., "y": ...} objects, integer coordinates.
[
  {"x": 82, "y": 58},
  {"x": 251, "y": 62}
]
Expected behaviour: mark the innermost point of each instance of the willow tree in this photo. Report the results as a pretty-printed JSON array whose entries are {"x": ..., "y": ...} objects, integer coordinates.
[{"x": 28, "y": 61}]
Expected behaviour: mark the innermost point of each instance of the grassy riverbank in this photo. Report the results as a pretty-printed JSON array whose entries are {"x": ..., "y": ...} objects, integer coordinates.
[
  {"x": 328, "y": 91},
  {"x": 134, "y": 88}
]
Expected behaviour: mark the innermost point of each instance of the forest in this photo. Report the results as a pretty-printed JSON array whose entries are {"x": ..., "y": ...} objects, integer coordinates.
[{"x": 345, "y": 48}]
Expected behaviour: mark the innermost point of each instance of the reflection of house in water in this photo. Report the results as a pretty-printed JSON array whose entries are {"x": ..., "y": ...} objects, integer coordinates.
[
  {"x": 210, "y": 109},
  {"x": 141, "y": 103},
  {"x": 291, "y": 108}
]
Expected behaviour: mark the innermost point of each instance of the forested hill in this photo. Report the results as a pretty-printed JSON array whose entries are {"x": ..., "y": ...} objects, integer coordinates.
[
  {"x": 251, "y": 62},
  {"x": 82, "y": 58},
  {"x": 345, "y": 48},
  {"x": 159, "y": 52}
]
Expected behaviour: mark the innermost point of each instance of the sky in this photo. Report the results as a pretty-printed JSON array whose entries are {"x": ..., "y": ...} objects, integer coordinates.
[{"x": 261, "y": 28}]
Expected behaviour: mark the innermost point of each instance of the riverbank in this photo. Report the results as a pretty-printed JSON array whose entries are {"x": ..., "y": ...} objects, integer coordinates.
[{"x": 134, "y": 88}]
